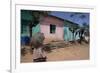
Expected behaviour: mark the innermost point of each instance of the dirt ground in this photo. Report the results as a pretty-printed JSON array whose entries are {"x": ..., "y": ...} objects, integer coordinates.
[{"x": 71, "y": 52}]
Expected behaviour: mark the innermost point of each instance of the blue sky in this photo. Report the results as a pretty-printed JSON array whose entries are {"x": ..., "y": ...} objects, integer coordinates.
[{"x": 75, "y": 18}]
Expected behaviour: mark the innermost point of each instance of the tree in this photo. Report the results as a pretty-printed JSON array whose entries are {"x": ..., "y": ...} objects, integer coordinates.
[
  {"x": 85, "y": 26},
  {"x": 32, "y": 18},
  {"x": 37, "y": 17},
  {"x": 74, "y": 27}
]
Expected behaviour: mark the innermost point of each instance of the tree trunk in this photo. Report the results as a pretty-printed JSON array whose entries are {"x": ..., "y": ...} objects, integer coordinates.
[
  {"x": 30, "y": 29},
  {"x": 73, "y": 37},
  {"x": 30, "y": 32}
]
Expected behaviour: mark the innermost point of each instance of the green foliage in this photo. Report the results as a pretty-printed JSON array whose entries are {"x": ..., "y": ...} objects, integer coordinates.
[{"x": 32, "y": 18}]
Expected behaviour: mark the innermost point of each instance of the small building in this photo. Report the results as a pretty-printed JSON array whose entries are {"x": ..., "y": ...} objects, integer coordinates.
[{"x": 53, "y": 27}]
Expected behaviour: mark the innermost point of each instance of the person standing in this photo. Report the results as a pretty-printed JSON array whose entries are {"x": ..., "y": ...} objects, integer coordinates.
[{"x": 37, "y": 45}]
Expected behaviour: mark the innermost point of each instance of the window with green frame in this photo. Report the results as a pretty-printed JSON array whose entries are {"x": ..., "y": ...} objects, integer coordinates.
[{"x": 52, "y": 28}]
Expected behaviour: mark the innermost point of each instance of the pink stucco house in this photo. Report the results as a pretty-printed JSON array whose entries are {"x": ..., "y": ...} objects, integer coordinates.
[{"x": 52, "y": 27}]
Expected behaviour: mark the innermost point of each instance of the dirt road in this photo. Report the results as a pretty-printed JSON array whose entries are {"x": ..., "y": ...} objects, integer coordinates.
[{"x": 72, "y": 52}]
